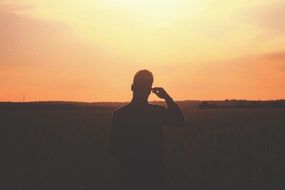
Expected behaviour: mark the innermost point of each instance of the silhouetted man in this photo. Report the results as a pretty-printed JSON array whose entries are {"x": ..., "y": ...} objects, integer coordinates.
[{"x": 137, "y": 135}]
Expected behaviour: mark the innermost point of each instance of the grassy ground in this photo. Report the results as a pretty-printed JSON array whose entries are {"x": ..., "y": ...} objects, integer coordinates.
[{"x": 67, "y": 148}]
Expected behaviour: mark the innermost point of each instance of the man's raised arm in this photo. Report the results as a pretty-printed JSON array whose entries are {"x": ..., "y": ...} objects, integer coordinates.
[{"x": 174, "y": 116}]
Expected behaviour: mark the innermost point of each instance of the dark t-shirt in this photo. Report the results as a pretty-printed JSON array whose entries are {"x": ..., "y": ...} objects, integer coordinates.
[
  {"x": 137, "y": 142},
  {"x": 137, "y": 132}
]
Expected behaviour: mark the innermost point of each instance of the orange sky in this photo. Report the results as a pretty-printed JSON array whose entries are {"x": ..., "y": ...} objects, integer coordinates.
[{"x": 89, "y": 50}]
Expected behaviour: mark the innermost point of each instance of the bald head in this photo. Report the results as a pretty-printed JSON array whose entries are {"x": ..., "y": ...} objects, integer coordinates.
[{"x": 142, "y": 83}]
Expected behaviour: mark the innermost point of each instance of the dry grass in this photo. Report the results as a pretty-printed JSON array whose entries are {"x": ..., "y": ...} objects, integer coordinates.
[{"x": 68, "y": 149}]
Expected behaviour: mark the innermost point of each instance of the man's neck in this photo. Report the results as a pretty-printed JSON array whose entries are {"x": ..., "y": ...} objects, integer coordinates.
[{"x": 139, "y": 101}]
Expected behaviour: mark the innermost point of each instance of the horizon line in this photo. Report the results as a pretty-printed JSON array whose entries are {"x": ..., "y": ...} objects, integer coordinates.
[{"x": 93, "y": 102}]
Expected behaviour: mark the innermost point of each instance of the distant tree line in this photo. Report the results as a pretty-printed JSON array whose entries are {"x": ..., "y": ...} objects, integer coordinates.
[{"x": 242, "y": 104}]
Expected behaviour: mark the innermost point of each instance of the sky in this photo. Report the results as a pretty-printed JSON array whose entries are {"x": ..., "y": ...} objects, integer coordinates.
[{"x": 89, "y": 50}]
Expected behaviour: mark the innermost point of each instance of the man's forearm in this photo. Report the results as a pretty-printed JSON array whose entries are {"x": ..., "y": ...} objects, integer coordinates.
[
  {"x": 175, "y": 112},
  {"x": 169, "y": 101}
]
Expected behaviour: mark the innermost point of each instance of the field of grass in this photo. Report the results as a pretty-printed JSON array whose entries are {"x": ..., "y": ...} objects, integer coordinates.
[{"x": 50, "y": 148}]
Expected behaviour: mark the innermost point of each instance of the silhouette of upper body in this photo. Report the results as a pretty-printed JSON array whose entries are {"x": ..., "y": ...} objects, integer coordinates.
[{"x": 137, "y": 134}]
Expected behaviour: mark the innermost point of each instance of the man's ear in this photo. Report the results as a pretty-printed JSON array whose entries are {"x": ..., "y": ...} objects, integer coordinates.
[{"x": 132, "y": 87}]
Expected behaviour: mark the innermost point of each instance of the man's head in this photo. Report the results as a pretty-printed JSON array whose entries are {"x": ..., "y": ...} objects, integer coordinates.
[{"x": 142, "y": 84}]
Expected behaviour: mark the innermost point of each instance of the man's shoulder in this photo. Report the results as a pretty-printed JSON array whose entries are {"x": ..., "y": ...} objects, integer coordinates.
[
  {"x": 122, "y": 109},
  {"x": 129, "y": 108}
]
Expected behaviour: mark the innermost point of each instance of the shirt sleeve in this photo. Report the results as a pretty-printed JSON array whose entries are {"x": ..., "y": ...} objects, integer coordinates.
[{"x": 172, "y": 116}]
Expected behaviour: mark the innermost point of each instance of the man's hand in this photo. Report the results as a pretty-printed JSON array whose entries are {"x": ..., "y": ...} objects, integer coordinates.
[{"x": 161, "y": 93}]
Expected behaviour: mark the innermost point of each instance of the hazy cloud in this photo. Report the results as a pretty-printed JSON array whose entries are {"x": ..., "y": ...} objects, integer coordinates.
[
  {"x": 270, "y": 17},
  {"x": 275, "y": 56},
  {"x": 249, "y": 76},
  {"x": 24, "y": 40}
]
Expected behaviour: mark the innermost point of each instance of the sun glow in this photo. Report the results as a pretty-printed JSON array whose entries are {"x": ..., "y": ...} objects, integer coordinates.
[{"x": 158, "y": 9}]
